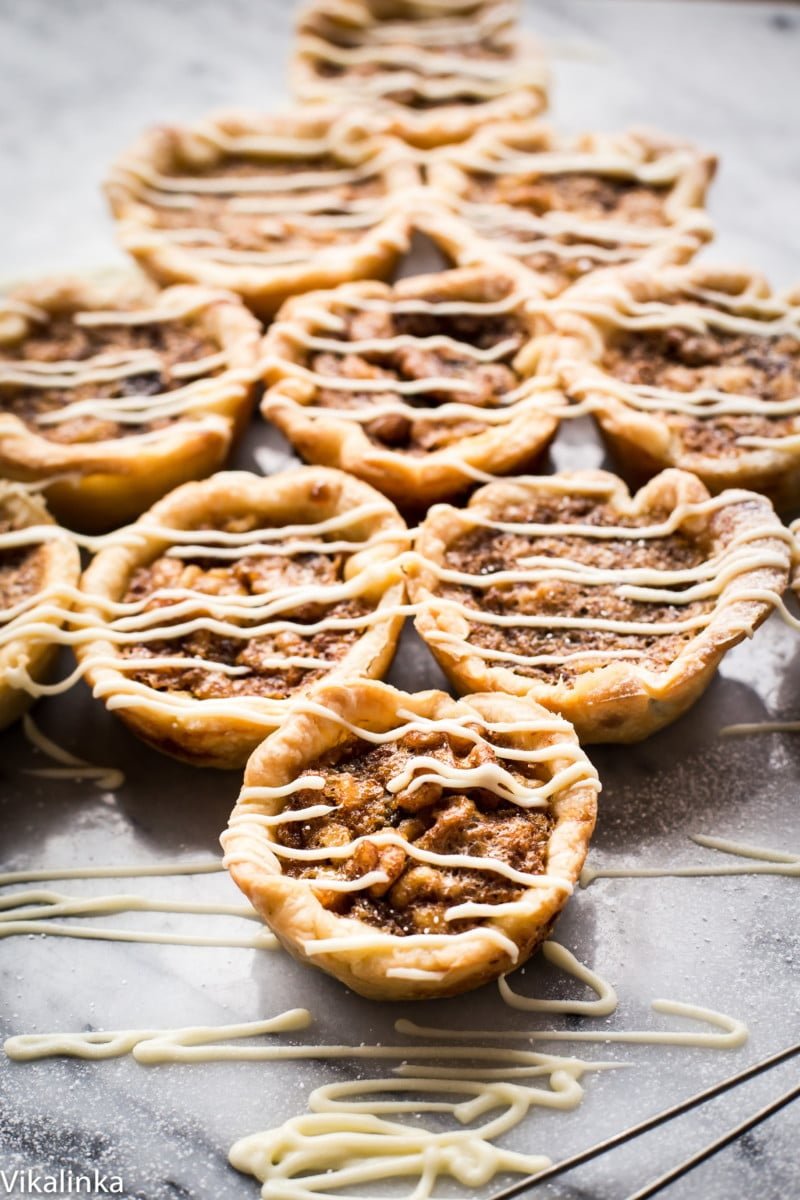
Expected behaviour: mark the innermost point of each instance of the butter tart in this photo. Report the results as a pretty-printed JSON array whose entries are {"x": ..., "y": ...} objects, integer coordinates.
[
  {"x": 613, "y": 610},
  {"x": 231, "y": 597},
  {"x": 413, "y": 846},
  {"x": 413, "y": 387},
  {"x": 566, "y": 206},
  {"x": 39, "y": 569},
  {"x": 695, "y": 367},
  {"x": 265, "y": 205},
  {"x": 118, "y": 393},
  {"x": 427, "y": 77}
]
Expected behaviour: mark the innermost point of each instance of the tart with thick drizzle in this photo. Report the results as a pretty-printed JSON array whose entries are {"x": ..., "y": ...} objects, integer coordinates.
[
  {"x": 231, "y": 597},
  {"x": 412, "y": 845},
  {"x": 119, "y": 393},
  {"x": 429, "y": 77},
  {"x": 266, "y": 206},
  {"x": 413, "y": 387},
  {"x": 614, "y": 610},
  {"x": 566, "y": 206},
  {"x": 695, "y": 367},
  {"x": 39, "y": 571}
]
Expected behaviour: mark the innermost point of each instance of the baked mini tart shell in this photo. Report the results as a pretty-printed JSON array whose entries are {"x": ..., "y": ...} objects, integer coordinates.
[
  {"x": 289, "y": 906},
  {"x": 167, "y": 149},
  {"x": 412, "y": 481},
  {"x": 107, "y": 483},
  {"x": 642, "y": 443},
  {"x": 61, "y": 568},
  {"x": 618, "y": 702},
  {"x": 522, "y": 92},
  {"x": 687, "y": 225},
  {"x": 225, "y": 740}
]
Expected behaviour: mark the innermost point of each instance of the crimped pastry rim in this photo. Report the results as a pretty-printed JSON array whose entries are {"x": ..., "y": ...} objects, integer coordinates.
[
  {"x": 232, "y": 736},
  {"x": 263, "y": 287},
  {"x": 579, "y": 339},
  {"x": 407, "y": 479},
  {"x": 61, "y": 566},
  {"x": 630, "y": 701}
]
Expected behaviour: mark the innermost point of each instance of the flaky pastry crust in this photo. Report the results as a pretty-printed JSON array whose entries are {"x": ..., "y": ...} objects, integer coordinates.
[
  {"x": 490, "y": 196},
  {"x": 201, "y": 731},
  {"x": 412, "y": 480},
  {"x": 58, "y": 567},
  {"x": 99, "y": 484},
  {"x": 391, "y": 966},
  {"x": 695, "y": 302},
  {"x": 143, "y": 183},
  {"x": 619, "y": 700}
]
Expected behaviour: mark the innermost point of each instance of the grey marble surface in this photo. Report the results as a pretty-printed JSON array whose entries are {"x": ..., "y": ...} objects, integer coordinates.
[{"x": 78, "y": 78}]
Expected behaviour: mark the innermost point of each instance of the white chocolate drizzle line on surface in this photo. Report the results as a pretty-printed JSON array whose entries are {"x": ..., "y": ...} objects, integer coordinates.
[
  {"x": 761, "y": 861},
  {"x": 110, "y": 779},
  {"x": 254, "y": 819},
  {"x": 212, "y": 866},
  {"x": 745, "y": 728},
  {"x": 34, "y": 912},
  {"x": 353, "y": 1133},
  {"x": 31, "y": 913}
]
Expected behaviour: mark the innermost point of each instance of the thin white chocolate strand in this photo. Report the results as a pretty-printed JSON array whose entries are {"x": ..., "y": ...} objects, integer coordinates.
[
  {"x": 110, "y": 779},
  {"x": 760, "y": 861}
]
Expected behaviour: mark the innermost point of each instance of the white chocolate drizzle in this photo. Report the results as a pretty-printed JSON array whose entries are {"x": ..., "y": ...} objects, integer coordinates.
[
  {"x": 209, "y": 381},
  {"x": 110, "y": 779},
  {"x": 180, "y": 612},
  {"x": 758, "y": 861},
  {"x": 38, "y": 912},
  {"x": 212, "y": 866},
  {"x": 302, "y": 208},
  {"x": 354, "y": 1132},
  {"x": 613, "y": 306},
  {"x": 255, "y": 818},
  {"x": 715, "y": 581}
]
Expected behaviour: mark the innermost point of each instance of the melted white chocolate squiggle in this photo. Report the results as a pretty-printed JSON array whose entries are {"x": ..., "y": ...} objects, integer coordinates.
[
  {"x": 353, "y": 1133},
  {"x": 173, "y": 613},
  {"x": 767, "y": 862},
  {"x": 197, "y": 397},
  {"x": 617, "y": 308},
  {"x": 569, "y": 767},
  {"x": 72, "y": 767}
]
